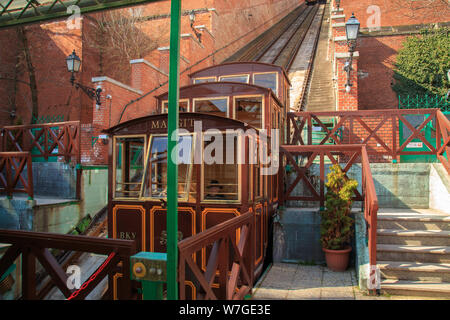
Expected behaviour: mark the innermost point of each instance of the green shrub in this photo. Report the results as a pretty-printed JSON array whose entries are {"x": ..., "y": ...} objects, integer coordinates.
[
  {"x": 336, "y": 225},
  {"x": 422, "y": 64}
]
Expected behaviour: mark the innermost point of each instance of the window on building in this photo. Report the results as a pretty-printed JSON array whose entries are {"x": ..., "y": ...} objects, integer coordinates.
[
  {"x": 129, "y": 154},
  {"x": 250, "y": 110},
  {"x": 182, "y": 104},
  {"x": 216, "y": 106},
  {"x": 203, "y": 80},
  {"x": 220, "y": 178},
  {"x": 235, "y": 78},
  {"x": 266, "y": 80},
  {"x": 155, "y": 177}
]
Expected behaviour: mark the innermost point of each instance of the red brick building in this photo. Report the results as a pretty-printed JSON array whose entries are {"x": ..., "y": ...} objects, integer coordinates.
[
  {"x": 211, "y": 31},
  {"x": 218, "y": 29},
  {"x": 384, "y": 26}
]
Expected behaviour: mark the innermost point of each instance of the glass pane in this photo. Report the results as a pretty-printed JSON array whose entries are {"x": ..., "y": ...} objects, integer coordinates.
[
  {"x": 203, "y": 80},
  {"x": 215, "y": 106},
  {"x": 242, "y": 78},
  {"x": 220, "y": 181},
  {"x": 415, "y": 121},
  {"x": 249, "y": 110},
  {"x": 155, "y": 181},
  {"x": 183, "y": 105},
  {"x": 129, "y": 165},
  {"x": 266, "y": 80}
]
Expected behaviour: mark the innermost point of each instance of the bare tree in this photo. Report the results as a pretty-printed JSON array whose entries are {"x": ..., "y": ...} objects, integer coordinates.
[
  {"x": 25, "y": 60},
  {"x": 437, "y": 10},
  {"x": 120, "y": 37}
]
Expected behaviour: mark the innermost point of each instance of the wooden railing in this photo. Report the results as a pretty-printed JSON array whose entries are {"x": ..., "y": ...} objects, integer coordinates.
[
  {"x": 443, "y": 132},
  {"x": 370, "y": 206},
  {"x": 334, "y": 154},
  {"x": 46, "y": 140},
  {"x": 230, "y": 262},
  {"x": 378, "y": 129},
  {"x": 345, "y": 156},
  {"x": 35, "y": 245},
  {"x": 16, "y": 167}
]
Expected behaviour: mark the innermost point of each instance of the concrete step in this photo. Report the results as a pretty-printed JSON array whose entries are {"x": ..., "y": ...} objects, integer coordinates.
[
  {"x": 416, "y": 288},
  {"x": 413, "y": 237},
  {"x": 415, "y": 271},
  {"x": 412, "y": 219},
  {"x": 395, "y": 252}
]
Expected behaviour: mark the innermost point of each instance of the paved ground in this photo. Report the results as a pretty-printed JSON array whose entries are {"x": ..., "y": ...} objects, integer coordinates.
[
  {"x": 298, "y": 282},
  {"x": 286, "y": 281}
]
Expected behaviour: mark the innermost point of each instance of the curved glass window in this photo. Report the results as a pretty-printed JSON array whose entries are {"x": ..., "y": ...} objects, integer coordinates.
[
  {"x": 155, "y": 177},
  {"x": 203, "y": 80},
  {"x": 250, "y": 110},
  {"x": 235, "y": 78},
  {"x": 216, "y": 106},
  {"x": 266, "y": 80}
]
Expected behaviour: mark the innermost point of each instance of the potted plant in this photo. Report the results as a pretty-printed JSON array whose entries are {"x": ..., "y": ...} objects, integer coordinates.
[{"x": 336, "y": 227}]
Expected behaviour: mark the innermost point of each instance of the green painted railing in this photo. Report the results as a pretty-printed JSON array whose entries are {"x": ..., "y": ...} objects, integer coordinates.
[
  {"x": 423, "y": 102},
  {"x": 48, "y": 119}
]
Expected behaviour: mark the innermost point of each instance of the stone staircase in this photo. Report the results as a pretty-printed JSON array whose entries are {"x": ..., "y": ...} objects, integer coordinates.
[
  {"x": 413, "y": 252},
  {"x": 320, "y": 93}
]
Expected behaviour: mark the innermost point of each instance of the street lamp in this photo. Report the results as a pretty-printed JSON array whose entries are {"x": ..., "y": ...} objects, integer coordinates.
[
  {"x": 73, "y": 66},
  {"x": 351, "y": 32}
]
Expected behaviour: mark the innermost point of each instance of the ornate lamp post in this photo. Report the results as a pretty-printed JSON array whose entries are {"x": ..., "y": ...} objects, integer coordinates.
[
  {"x": 351, "y": 32},
  {"x": 73, "y": 66}
]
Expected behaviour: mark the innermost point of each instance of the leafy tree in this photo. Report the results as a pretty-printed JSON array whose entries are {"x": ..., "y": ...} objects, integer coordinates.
[{"x": 422, "y": 64}]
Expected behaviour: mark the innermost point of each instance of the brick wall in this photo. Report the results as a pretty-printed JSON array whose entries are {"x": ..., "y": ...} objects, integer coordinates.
[
  {"x": 365, "y": 67},
  {"x": 224, "y": 27},
  {"x": 396, "y": 12},
  {"x": 360, "y": 133},
  {"x": 378, "y": 53},
  {"x": 376, "y": 66},
  {"x": 7, "y": 73},
  {"x": 114, "y": 95}
]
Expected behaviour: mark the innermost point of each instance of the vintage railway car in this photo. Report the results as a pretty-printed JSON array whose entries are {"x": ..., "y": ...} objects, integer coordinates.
[
  {"x": 210, "y": 192},
  {"x": 256, "y": 73}
]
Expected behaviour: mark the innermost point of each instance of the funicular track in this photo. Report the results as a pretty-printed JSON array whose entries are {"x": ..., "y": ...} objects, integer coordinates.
[
  {"x": 263, "y": 42},
  {"x": 283, "y": 50},
  {"x": 280, "y": 44}
]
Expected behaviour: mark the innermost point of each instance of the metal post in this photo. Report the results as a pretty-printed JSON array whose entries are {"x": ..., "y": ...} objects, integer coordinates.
[
  {"x": 152, "y": 290},
  {"x": 172, "y": 169},
  {"x": 149, "y": 268}
]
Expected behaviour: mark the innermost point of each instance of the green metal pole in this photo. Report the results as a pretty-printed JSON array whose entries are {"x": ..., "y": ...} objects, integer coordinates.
[
  {"x": 172, "y": 168},
  {"x": 152, "y": 290}
]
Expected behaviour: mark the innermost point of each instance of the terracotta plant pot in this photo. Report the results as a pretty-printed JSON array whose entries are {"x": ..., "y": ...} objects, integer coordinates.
[{"x": 337, "y": 260}]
